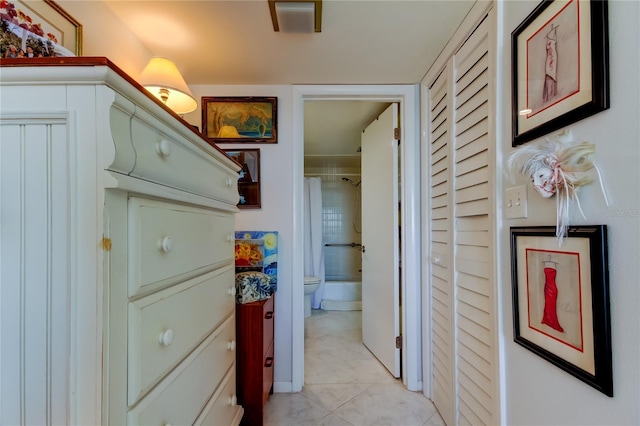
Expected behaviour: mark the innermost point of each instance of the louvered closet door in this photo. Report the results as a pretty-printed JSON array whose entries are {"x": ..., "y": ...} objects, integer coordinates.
[
  {"x": 474, "y": 233},
  {"x": 440, "y": 243},
  {"x": 462, "y": 239}
]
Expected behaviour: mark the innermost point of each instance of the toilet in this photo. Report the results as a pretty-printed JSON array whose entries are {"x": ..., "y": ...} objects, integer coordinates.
[{"x": 310, "y": 285}]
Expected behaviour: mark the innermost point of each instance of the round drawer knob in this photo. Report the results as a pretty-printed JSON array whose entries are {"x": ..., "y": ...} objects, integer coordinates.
[
  {"x": 163, "y": 148},
  {"x": 231, "y": 345},
  {"x": 231, "y": 291},
  {"x": 233, "y": 400},
  {"x": 230, "y": 237},
  {"x": 166, "y": 337},
  {"x": 228, "y": 182},
  {"x": 165, "y": 244}
]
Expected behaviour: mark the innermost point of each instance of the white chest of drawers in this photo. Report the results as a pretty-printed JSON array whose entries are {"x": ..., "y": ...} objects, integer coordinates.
[{"x": 116, "y": 254}]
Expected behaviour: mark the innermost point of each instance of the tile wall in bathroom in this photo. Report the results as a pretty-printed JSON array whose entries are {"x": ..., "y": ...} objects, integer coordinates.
[
  {"x": 341, "y": 214},
  {"x": 341, "y": 225}
]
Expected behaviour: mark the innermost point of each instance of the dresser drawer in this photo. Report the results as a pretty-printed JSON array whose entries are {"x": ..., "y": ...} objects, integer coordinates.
[
  {"x": 267, "y": 374},
  {"x": 180, "y": 398},
  {"x": 268, "y": 320},
  {"x": 162, "y": 159},
  {"x": 166, "y": 325},
  {"x": 222, "y": 408},
  {"x": 171, "y": 242}
]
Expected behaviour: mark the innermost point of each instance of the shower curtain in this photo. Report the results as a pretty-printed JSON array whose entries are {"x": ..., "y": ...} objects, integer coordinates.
[{"x": 313, "y": 243}]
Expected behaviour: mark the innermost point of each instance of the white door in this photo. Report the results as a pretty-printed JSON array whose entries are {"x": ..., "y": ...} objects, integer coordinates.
[
  {"x": 380, "y": 243},
  {"x": 465, "y": 357}
]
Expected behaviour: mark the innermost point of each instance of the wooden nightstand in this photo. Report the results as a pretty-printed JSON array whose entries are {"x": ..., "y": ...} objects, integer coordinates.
[{"x": 254, "y": 334}]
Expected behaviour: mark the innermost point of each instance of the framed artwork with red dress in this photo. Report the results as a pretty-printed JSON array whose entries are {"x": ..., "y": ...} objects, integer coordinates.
[
  {"x": 560, "y": 67},
  {"x": 561, "y": 299}
]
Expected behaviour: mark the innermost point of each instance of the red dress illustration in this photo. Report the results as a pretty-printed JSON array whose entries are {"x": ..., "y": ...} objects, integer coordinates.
[{"x": 550, "y": 315}]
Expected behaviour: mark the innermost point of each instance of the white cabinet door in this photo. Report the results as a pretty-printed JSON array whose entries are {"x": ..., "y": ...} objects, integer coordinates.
[{"x": 462, "y": 234}]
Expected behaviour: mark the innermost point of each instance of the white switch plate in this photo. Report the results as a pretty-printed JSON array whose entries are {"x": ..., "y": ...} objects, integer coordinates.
[{"x": 515, "y": 202}]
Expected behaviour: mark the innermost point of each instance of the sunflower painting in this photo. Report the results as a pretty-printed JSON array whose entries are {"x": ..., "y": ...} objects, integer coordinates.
[{"x": 257, "y": 251}]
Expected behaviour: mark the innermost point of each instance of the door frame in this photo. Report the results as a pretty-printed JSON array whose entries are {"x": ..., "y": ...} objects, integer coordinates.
[{"x": 410, "y": 277}]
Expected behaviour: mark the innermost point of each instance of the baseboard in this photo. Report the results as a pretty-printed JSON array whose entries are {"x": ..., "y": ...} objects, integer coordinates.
[
  {"x": 283, "y": 387},
  {"x": 341, "y": 305}
]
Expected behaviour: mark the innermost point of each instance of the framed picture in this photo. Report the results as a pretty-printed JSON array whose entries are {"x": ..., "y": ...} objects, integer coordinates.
[
  {"x": 38, "y": 29},
  {"x": 258, "y": 251},
  {"x": 240, "y": 119},
  {"x": 561, "y": 300},
  {"x": 560, "y": 67},
  {"x": 249, "y": 176}
]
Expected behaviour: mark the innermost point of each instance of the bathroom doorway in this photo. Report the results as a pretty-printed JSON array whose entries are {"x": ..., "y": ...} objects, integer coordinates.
[
  {"x": 406, "y": 97},
  {"x": 332, "y": 158}
]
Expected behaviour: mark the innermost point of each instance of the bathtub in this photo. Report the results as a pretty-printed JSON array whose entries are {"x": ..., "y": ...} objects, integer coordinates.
[{"x": 342, "y": 296}]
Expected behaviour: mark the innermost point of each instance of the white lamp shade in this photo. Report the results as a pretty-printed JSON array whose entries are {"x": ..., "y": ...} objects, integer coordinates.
[{"x": 162, "y": 78}]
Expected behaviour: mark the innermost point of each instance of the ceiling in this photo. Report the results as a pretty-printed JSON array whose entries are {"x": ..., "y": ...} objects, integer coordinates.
[
  {"x": 335, "y": 127},
  {"x": 362, "y": 42}
]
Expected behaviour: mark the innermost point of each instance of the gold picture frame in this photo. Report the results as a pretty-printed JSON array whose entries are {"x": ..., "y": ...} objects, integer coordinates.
[
  {"x": 38, "y": 28},
  {"x": 240, "y": 119}
]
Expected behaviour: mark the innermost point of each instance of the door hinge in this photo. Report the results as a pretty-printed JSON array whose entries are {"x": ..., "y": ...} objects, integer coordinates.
[
  {"x": 396, "y": 133},
  {"x": 399, "y": 342}
]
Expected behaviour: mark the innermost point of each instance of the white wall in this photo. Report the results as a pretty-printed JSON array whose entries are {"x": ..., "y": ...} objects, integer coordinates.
[
  {"x": 537, "y": 392},
  {"x": 104, "y": 34},
  {"x": 276, "y": 214}
]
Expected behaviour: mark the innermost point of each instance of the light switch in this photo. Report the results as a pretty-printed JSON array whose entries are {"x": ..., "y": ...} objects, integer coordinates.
[{"x": 515, "y": 202}]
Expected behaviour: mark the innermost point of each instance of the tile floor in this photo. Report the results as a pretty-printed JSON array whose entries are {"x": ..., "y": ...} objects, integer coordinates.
[{"x": 345, "y": 385}]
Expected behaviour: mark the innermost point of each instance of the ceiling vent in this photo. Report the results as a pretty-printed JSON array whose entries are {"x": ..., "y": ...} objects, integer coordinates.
[{"x": 296, "y": 16}]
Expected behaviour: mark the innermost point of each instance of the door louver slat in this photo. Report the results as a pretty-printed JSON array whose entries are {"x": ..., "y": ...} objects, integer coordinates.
[{"x": 473, "y": 233}]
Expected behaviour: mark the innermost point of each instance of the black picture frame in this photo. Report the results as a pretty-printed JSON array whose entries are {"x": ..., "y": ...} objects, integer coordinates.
[
  {"x": 567, "y": 324},
  {"x": 540, "y": 103},
  {"x": 249, "y": 176}
]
